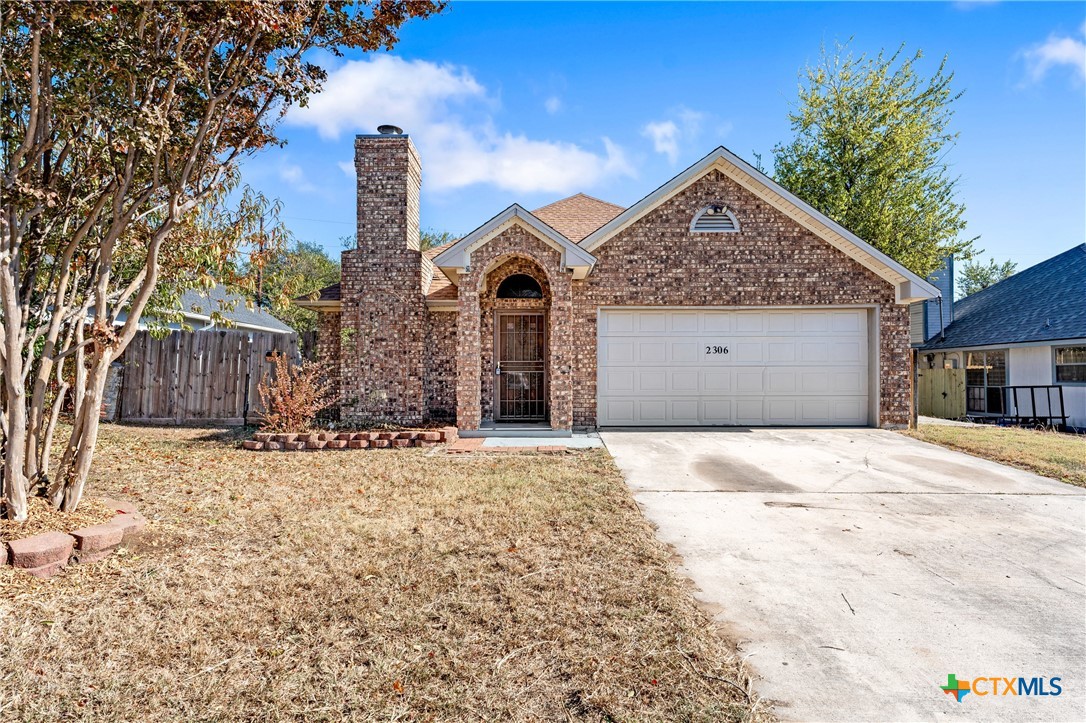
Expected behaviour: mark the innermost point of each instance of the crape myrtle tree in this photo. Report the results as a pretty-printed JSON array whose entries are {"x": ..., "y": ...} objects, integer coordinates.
[
  {"x": 869, "y": 150},
  {"x": 119, "y": 122}
]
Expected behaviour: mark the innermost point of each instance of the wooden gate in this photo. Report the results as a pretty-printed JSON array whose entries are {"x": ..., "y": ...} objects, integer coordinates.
[
  {"x": 941, "y": 393},
  {"x": 202, "y": 377}
]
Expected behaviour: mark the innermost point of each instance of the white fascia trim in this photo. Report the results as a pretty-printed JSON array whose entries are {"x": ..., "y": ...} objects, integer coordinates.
[
  {"x": 908, "y": 286},
  {"x": 443, "y": 305},
  {"x": 454, "y": 260},
  {"x": 318, "y": 305},
  {"x": 235, "y": 326}
]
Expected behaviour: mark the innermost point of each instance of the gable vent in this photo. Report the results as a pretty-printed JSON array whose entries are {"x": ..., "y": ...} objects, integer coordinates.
[{"x": 714, "y": 219}]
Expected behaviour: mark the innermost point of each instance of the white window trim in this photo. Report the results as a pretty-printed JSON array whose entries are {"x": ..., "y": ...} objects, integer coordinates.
[
  {"x": 1055, "y": 366},
  {"x": 727, "y": 212}
]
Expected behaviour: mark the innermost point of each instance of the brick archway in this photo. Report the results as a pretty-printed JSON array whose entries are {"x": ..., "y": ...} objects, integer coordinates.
[{"x": 513, "y": 251}]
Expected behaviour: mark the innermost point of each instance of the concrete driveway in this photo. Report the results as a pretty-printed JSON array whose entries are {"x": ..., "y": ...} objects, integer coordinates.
[{"x": 858, "y": 567}]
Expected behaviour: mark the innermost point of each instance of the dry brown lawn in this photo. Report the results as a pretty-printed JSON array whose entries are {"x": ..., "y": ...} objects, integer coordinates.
[
  {"x": 398, "y": 585},
  {"x": 1051, "y": 454}
]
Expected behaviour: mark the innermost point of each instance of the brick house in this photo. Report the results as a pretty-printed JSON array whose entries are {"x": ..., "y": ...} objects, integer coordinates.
[{"x": 718, "y": 299}]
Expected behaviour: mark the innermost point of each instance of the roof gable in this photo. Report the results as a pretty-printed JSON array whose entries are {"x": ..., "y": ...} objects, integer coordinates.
[
  {"x": 1045, "y": 302},
  {"x": 457, "y": 257},
  {"x": 908, "y": 286},
  {"x": 577, "y": 216}
]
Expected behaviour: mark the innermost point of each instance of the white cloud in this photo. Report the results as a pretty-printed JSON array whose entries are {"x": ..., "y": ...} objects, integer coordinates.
[
  {"x": 553, "y": 104},
  {"x": 293, "y": 175},
  {"x": 665, "y": 138},
  {"x": 1054, "y": 52},
  {"x": 448, "y": 114},
  {"x": 348, "y": 168},
  {"x": 670, "y": 135},
  {"x": 973, "y": 4}
]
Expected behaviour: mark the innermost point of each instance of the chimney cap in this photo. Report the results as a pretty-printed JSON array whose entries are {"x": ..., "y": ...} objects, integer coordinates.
[{"x": 389, "y": 130}]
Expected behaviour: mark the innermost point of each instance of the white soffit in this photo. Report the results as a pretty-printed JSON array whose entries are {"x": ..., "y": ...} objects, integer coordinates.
[{"x": 908, "y": 286}]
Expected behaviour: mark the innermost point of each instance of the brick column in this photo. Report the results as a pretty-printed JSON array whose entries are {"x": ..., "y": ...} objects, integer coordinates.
[{"x": 468, "y": 343}]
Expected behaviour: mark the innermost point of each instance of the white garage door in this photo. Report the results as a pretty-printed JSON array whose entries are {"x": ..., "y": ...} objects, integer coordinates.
[{"x": 743, "y": 367}]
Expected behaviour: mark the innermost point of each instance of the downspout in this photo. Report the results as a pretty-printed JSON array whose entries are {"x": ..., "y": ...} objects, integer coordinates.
[{"x": 942, "y": 325}]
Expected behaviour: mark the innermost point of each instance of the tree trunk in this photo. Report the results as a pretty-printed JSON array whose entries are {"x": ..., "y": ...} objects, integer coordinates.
[
  {"x": 15, "y": 482},
  {"x": 75, "y": 467}
]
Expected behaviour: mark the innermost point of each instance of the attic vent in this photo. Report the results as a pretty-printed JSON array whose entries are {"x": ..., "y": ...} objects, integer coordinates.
[{"x": 714, "y": 219}]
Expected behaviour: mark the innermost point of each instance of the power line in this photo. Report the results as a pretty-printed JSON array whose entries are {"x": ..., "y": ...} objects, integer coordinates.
[{"x": 317, "y": 220}]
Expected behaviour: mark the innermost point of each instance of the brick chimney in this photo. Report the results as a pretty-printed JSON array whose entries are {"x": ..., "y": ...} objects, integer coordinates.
[
  {"x": 389, "y": 181},
  {"x": 383, "y": 315}
]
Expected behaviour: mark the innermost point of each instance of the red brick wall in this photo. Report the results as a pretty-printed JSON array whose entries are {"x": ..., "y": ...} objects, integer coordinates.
[
  {"x": 771, "y": 261},
  {"x": 327, "y": 346},
  {"x": 384, "y": 318},
  {"x": 440, "y": 379},
  {"x": 513, "y": 243}
]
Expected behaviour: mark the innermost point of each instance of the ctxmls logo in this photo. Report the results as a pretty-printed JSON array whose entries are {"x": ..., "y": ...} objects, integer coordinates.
[{"x": 1000, "y": 686}]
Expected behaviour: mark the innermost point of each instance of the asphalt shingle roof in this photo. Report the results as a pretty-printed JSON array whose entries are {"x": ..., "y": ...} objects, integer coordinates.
[
  {"x": 577, "y": 216},
  {"x": 1043, "y": 303},
  {"x": 204, "y": 303}
]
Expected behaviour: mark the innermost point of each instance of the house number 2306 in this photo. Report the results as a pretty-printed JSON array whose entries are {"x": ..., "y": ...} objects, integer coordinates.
[{"x": 716, "y": 349}]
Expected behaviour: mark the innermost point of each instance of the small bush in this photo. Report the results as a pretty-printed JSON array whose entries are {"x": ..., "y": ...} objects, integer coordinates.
[{"x": 293, "y": 395}]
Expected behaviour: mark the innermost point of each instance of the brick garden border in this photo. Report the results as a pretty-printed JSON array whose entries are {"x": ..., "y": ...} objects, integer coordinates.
[
  {"x": 46, "y": 554},
  {"x": 380, "y": 439}
]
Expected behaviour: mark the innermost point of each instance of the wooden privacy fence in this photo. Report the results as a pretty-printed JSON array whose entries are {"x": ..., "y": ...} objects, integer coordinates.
[
  {"x": 941, "y": 393},
  {"x": 206, "y": 377}
]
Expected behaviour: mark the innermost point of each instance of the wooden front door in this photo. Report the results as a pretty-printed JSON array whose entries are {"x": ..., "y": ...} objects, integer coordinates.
[{"x": 521, "y": 369}]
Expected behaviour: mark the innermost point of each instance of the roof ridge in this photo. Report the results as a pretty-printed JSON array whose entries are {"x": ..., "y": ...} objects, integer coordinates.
[{"x": 579, "y": 194}]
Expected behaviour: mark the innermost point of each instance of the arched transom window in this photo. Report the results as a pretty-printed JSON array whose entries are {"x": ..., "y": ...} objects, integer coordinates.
[
  {"x": 716, "y": 218},
  {"x": 519, "y": 286}
]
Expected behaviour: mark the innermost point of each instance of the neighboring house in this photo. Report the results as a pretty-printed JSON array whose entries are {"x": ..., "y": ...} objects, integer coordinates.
[
  {"x": 718, "y": 299},
  {"x": 1027, "y": 330},
  {"x": 198, "y": 306}
]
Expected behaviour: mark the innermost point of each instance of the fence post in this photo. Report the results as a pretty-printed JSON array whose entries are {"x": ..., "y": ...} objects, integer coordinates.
[{"x": 913, "y": 401}]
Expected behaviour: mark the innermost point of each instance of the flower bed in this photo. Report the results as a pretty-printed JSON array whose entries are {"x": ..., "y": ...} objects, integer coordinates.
[
  {"x": 379, "y": 439},
  {"x": 45, "y": 554}
]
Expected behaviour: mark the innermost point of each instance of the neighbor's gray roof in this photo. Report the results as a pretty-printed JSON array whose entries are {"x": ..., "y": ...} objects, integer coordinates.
[
  {"x": 1043, "y": 303},
  {"x": 203, "y": 303}
]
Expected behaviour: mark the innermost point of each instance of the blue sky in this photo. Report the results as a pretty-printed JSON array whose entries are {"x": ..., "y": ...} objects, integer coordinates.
[{"x": 530, "y": 102}]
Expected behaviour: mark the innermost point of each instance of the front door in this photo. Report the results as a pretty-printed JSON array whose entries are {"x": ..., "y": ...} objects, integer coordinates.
[{"x": 521, "y": 369}]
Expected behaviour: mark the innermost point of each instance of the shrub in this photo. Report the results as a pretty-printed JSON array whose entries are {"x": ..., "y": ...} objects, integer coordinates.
[{"x": 293, "y": 395}]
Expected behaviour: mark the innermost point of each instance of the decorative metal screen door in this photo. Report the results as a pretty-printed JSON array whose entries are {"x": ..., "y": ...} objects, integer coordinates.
[{"x": 521, "y": 367}]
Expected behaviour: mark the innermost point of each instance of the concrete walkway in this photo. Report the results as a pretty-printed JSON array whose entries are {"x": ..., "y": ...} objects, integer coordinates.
[{"x": 858, "y": 568}]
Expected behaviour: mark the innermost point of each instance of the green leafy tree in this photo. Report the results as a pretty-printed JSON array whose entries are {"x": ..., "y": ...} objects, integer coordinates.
[
  {"x": 871, "y": 137},
  {"x": 119, "y": 121},
  {"x": 430, "y": 238},
  {"x": 976, "y": 276},
  {"x": 284, "y": 274}
]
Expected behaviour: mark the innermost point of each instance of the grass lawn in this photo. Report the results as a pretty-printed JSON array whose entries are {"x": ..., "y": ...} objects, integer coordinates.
[
  {"x": 1052, "y": 454},
  {"x": 363, "y": 585}
]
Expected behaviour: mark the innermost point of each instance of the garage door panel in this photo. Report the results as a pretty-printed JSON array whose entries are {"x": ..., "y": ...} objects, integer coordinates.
[
  {"x": 651, "y": 352},
  {"x": 814, "y": 322},
  {"x": 666, "y": 366},
  {"x": 714, "y": 323},
  {"x": 684, "y": 351},
  {"x": 616, "y": 351},
  {"x": 686, "y": 380},
  {"x": 617, "y": 381},
  {"x": 749, "y": 322},
  {"x": 716, "y": 380},
  {"x": 652, "y": 322},
  {"x": 716, "y": 411},
  {"x": 684, "y": 322}
]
